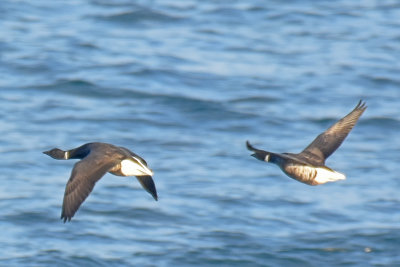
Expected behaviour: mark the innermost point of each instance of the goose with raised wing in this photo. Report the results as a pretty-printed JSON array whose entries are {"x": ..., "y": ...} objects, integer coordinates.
[{"x": 309, "y": 166}]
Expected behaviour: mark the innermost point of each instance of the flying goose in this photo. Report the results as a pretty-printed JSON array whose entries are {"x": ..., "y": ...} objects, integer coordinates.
[
  {"x": 309, "y": 166},
  {"x": 96, "y": 160}
]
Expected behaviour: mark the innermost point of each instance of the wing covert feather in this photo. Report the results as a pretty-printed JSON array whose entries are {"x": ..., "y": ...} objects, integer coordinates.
[{"x": 84, "y": 176}]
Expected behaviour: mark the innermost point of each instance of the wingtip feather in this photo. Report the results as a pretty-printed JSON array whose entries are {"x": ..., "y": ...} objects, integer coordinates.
[
  {"x": 249, "y": 147},
  {"x": 361, "y": 105}
]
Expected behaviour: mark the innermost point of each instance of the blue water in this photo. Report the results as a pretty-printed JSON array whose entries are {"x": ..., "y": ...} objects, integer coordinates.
[{"x": 184, "y": 84}]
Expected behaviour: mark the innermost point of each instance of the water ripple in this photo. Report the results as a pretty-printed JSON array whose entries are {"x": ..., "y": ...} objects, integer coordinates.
[{"x": 184, "y": 84}]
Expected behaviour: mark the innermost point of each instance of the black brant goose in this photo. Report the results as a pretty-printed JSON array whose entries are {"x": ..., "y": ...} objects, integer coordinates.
[
  {"x": 309, "y": 166},
  {"x": 96, "y": 160}
]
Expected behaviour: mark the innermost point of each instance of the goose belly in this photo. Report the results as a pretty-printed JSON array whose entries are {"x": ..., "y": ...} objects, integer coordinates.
[
  {"x": 302, "y": 173},
  {"x": 312, "y": 175}
]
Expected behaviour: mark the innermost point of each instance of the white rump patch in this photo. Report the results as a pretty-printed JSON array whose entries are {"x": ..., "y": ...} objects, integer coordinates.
[
  {"x": 326, "y": 175},
  {"x": 267, "y": 158},
  {"x": 132, "y": 168},
  {"x": 66, "y": 155}
]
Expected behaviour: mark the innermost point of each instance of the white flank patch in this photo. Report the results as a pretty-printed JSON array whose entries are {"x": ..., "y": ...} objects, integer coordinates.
[
  {"x": 267, "y": 158},
  {"x": 130, "y": 168},
  {"x": 326, "y": 175},
  {"x": 66, "y": 155}
]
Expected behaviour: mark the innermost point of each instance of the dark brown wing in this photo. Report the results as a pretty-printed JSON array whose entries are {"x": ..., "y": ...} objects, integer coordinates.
[
  {"x": 84, "y": 176},
  {"x": 327, "y": 142}
]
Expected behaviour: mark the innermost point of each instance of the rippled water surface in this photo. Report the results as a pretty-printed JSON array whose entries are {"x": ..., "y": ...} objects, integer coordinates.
[{"x": 184, "y": 84}]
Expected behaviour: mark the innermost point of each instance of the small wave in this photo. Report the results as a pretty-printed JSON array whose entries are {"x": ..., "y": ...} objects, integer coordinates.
[
  {"x": 382, "y": 80},
  {"x": 59, "y": 258},
  {"x": 118, "y": 214},
  {"x": 138, "y": 16},
  {"x": 169, "y": 76},
  {"x": 83, "y": 88},
  {"x": 382, "y": 122},
  {"x": 384, "y": 205},
  {"x": 255, "y": 99},
  {"x": 27, "y": 217}
]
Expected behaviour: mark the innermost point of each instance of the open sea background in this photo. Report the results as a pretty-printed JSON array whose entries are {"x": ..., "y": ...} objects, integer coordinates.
[{"x": 184, "y": 84}]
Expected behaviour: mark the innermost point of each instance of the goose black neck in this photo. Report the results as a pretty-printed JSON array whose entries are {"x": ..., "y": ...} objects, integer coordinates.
[{"x": 79, "y": 152}]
